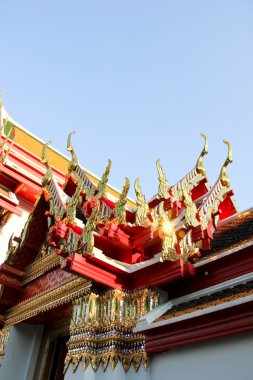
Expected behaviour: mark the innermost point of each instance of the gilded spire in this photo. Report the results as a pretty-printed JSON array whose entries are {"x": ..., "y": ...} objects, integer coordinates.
[
  {"x": 190, "y": 207},
  {"x": 223, "y": 173},
  {"x": 88, "y": 230},
  {"x": 199, "y": 165},
  {"x": 74, "y": 160},
  {"x": 119, "y": 208},
  {"x": 47, "y": 177},
  {"x": 163, "y": 183},
  {"x": 72, "y": 204},
  {"x": 102, "y": 185},
  {"x": 141, "y": 215}
]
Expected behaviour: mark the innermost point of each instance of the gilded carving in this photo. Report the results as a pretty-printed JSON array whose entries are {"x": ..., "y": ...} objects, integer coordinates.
[
  {"x": 47, "y": 300},
  {"x": 142, "y": 212},
  {"x": 74, "y": 161},
  {"x": 101, "y": 329},
  {"x": 199, "y": 165},
  {"x": 119, "y": 208},
  {"x": 223, "y": 174},
  {"x": 48, "y": 175},
  {"x": 190, "y": 207},
  {"x": 163, "y": 189},
  {"x": 102, "y": 184},
  {"x": 72, "y": 204},
  {"x": 88, "y": 230}
]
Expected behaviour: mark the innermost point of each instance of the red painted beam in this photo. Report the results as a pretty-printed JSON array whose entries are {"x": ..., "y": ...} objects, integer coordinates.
[
  {"x": 9, "y": 281},
  {"x": 235, "y": 320},
  {"x": 81, "y": 265}
]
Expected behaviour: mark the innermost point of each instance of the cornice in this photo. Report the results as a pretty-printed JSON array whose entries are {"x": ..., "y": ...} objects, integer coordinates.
[
  {"x": 225, "y": 322},
  {"x": 40, "y": 266},
  {"x": 73, "y": 288}
]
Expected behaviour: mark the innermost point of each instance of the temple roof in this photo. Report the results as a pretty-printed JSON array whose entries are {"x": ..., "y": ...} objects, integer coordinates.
[{"x": 233, "y": 232}]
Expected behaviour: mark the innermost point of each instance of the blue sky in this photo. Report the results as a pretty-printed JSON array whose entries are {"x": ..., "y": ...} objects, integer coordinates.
[{"x": 138, "y": 80}]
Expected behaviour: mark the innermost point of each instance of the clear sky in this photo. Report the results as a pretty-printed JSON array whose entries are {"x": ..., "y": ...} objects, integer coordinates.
[{"x": 138, "y": 80}]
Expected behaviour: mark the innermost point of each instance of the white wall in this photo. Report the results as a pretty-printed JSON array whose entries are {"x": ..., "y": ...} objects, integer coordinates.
[
  {"x": 223, "y": 359},
  {"x": 21, "y": 352}
]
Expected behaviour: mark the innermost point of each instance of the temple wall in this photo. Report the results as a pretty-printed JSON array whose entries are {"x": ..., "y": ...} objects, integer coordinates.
[
  {"x": 226, "y": 359},
  {"x": 21, "y": 352}
]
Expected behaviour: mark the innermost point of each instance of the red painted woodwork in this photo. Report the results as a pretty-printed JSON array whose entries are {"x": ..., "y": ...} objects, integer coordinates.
[
  {"x": 84, "y": 267},
  {"x": 235, "y": 320}
]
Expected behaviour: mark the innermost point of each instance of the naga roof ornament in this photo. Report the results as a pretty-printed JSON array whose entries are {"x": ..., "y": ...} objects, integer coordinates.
[
  {"x": 48, "y": 176},
  {"x": 178, "y": 222},
  {"x": 199, "y": 165},
  {"x": 74, "y": 160},
  {"x": 223, "y": 174},
  {"x": 142, "y": 211},
  {"x": 120, "y": 205},
  {"x": 102, "y": 184},
  {"x": 163, "y": 189}
]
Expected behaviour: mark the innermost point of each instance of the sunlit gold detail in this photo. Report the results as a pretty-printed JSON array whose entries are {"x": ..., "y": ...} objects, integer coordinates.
[
  {"x": 206, "y": 216},
  {"x": 187, "y": 247},
  {"x": 102, "y": 184},
  {"x": 141, "y": 214},
  {"x": 199, "y": 165},
  {"x": 223, "y": 174},
  {"x": 190, "y": 207},
  {"x": 119, "y": 208},
  {"x": 48, "y": 175},
  {"x": 72, "y": 204},
  {"x": 101, "y": 329},
  {"x": 74, "y": 160},
  {"x": 163, "y": 183},
  {"x": 169, "y": 235},
  {"x": 88, "y": 230}
]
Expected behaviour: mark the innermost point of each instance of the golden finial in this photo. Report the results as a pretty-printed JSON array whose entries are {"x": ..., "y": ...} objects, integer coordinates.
[
  {"x": 199, "y": 165},
  {"x": 44, "y": 159},
  {"x": 223, "y": 173},
  {"x": 163, "y": 183},
  {"x": 141, "y": 215},
  {"x": 119, "y": 208},
  {"x": 74, "y": 160},
  {"x": 88, "y": 230},
  {"x": 47, "y": 177},
  {"x": 102, "y": 185},
  {"x": 190, "y": 207},
  {"x": 73, "y": 203}
]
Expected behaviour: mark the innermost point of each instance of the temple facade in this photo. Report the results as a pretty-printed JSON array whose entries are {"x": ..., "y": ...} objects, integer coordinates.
[{"x": 94, "y": 285}]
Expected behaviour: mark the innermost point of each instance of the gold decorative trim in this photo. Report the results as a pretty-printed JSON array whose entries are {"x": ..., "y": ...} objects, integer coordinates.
[
  {"x": 48, "y": 300},
  {"x": 101, "y": 329},
  {"x": 39, "y": 267}
]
